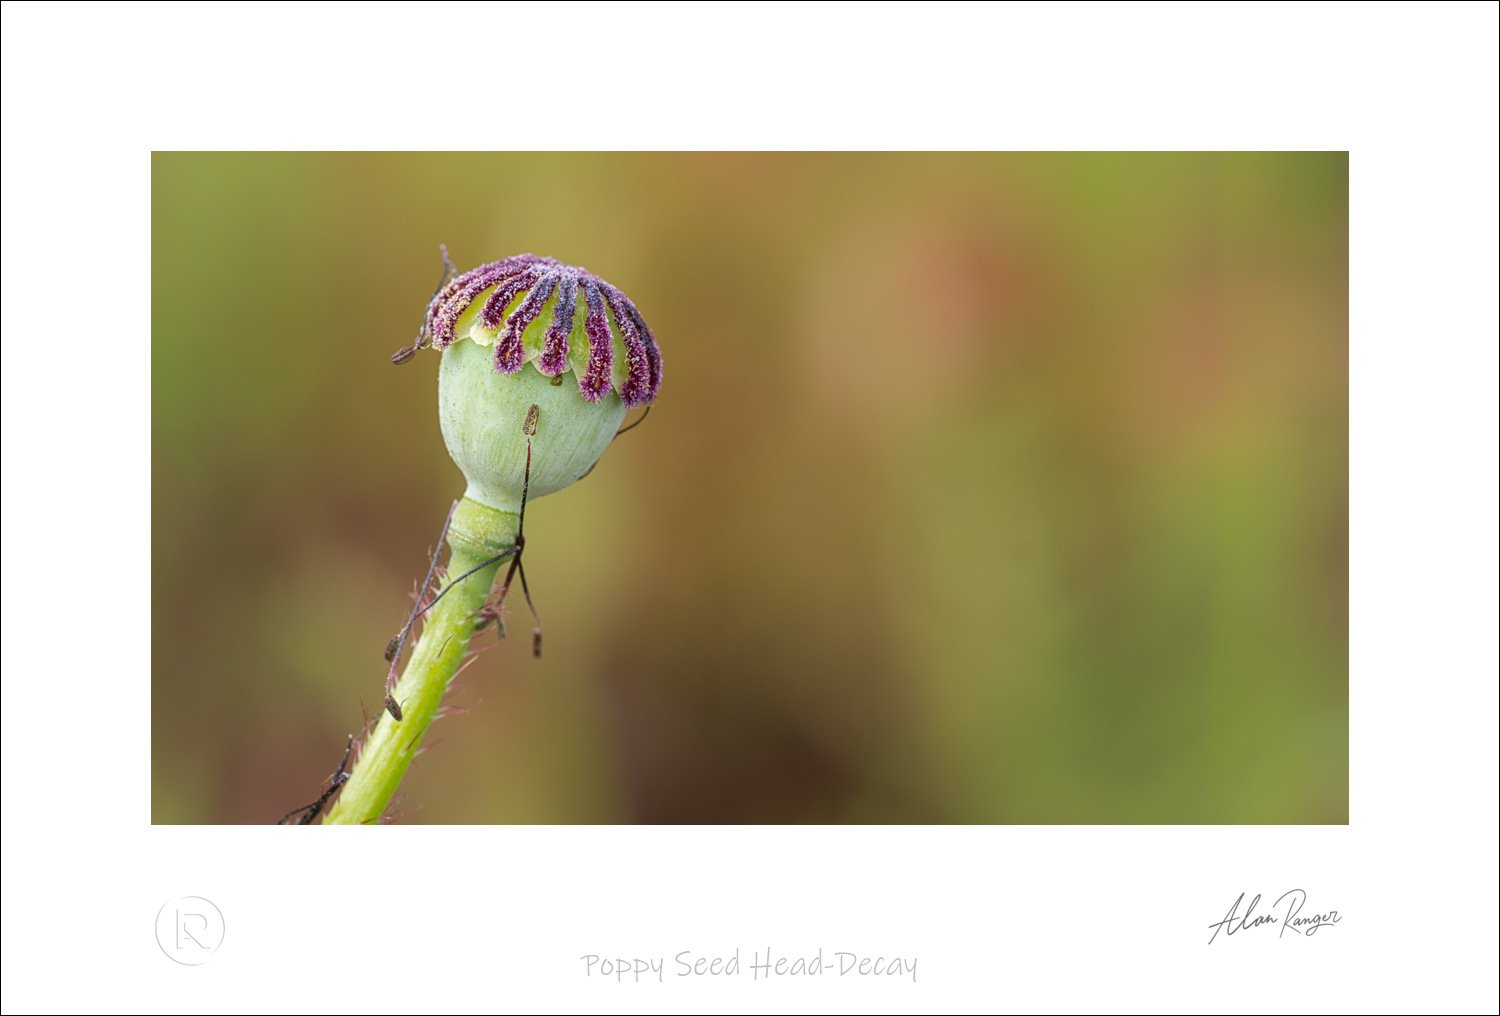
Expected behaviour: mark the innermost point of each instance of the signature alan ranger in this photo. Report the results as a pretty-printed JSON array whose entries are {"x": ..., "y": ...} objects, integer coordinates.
[{"x": 1289, "y": 912}]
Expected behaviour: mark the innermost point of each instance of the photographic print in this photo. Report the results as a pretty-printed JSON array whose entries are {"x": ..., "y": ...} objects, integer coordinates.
[
  {"x": 959, "y": 508},
  {"x": 915, "y": 488}
]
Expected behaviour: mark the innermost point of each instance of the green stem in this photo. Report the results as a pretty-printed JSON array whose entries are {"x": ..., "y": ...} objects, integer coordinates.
[{"x": 477, "y": 534}]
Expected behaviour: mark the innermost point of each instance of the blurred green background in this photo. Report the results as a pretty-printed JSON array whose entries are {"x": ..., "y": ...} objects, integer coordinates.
[{"x": 982, "y": 488}]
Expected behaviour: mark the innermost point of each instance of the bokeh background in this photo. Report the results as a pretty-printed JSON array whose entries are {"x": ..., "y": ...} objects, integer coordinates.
[{"x": 983, "y": 488}]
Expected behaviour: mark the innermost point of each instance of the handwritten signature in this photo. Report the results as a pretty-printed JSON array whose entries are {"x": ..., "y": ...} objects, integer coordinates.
[{"x": 1286, "y": 912}]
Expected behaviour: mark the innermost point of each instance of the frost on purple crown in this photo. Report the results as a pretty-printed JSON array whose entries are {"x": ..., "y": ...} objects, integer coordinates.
[{"x": 540, "y": 279}]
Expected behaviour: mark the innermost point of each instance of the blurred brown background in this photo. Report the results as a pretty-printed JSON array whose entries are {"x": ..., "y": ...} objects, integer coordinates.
[{"x": 982, "y": 488}]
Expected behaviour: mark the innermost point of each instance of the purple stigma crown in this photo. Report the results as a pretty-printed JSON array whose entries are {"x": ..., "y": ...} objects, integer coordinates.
[{"x": 558, "y": 317}]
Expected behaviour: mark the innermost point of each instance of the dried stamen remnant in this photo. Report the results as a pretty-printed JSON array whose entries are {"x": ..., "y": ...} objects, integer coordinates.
[
  {"x": 554, "y": 358},
  {"x": 444, "y": 311},
  {"x": 596, "y": 378},
  {"x": 637, "y": 387}
]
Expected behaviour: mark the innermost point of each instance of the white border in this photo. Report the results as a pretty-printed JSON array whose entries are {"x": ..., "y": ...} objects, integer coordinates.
[{"x": 1032, "y": 919}]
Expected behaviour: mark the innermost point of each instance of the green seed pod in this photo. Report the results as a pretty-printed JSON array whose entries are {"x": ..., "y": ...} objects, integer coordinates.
[
  {"x": 482, "y": 412},
  {"x": 510, "y": 333}
]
